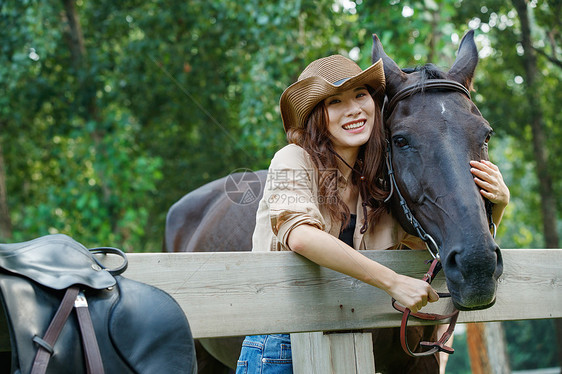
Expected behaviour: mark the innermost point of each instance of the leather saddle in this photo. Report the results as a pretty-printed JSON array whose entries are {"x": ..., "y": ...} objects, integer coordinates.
[{"x": 66, "y": 313}]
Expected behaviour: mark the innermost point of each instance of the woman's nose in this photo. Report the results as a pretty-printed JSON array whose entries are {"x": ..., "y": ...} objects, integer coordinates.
[{"x": 354, "y": 109}]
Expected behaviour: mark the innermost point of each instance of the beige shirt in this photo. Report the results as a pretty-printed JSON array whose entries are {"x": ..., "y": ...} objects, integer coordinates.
[{"x": 290, "y": 199}]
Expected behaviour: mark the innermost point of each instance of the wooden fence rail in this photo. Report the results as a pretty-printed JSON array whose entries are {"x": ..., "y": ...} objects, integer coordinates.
[
  {"x": 226, "y": 294},
  {"x": 242, "y": 293}
]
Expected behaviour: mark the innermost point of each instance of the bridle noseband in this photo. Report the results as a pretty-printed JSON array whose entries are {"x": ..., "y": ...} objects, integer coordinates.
[{"x": 432, "y": 246}]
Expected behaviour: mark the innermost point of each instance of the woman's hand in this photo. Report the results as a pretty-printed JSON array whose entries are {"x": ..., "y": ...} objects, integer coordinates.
[
  {"x": 490, "y": 180},
  {"x": 412, "y": 293}
]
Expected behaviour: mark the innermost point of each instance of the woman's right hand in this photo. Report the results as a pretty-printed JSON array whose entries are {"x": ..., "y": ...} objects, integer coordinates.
[{"x": 412, "y": 293}]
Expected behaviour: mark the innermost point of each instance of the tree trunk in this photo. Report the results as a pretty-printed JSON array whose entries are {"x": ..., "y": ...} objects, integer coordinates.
[
  {"x": 475, "y": 340},
  {"x": 87, "y": 91},
  {"x": 5, "y": 220},
  {"x": 75, "y": 36},
  {"x": 486, "y": 348},
  {"x": 558, "y": 326},
  {"x": 548, "y": 201}
]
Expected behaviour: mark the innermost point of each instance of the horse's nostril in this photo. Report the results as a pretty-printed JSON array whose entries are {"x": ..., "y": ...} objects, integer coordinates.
[
  {"x": 499, "y": 263},
  {"x": 499, "y": 256},
  {"x": 452, "y": 260},
  {"x": 451, "y": 264}
]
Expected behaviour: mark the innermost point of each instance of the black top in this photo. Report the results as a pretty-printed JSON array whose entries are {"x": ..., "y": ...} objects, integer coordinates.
[{"x": 346, "y": 235}]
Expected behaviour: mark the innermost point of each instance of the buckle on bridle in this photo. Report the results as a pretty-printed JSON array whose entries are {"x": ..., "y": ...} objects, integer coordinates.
[
  {"x": 440, "y": 347},
  {"x": 429, "y": 241}
]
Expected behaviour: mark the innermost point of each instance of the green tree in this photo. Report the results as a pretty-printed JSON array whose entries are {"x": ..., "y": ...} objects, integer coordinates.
[{"x": 111, "y": 111}]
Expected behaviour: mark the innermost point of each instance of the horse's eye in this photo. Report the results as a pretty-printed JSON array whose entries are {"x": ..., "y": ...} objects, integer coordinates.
[{"x": 400, "y": 141}]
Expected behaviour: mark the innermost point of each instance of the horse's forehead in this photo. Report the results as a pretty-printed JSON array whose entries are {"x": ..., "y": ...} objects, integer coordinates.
[{"x": 438, "y": 108}]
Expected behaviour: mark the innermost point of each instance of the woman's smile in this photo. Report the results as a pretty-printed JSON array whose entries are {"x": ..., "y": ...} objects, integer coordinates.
[{"x": 355, "y": 126}]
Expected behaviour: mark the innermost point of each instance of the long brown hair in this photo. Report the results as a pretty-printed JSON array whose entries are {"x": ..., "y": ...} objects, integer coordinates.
[{"x": 316, "y": 140}]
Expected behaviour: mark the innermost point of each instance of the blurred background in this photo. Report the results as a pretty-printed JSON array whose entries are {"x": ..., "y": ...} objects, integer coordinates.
[{"x": 110, "y": 111}]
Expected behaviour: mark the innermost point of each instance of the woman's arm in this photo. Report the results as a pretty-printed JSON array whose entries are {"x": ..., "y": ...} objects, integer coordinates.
[
  {"x": 490, "y": 180},
  {"x": 328, "y": 251}
]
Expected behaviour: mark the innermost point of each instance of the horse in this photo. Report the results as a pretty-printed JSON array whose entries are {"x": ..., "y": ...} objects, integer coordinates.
[{"x": 433, "y": 130}]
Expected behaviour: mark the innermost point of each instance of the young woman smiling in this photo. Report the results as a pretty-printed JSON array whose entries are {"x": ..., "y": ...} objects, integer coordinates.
[{"x": 325, "y": 191}]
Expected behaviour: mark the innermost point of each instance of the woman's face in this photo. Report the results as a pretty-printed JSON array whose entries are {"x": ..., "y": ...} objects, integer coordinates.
[{"x": 351, "y": 117}]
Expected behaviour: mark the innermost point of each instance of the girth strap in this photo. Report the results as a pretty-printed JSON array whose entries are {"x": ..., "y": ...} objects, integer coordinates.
[
  {"x": 92, "y": 355},
  {"x": 53, "y": 331},
  {"x": 72, "y": 298}
]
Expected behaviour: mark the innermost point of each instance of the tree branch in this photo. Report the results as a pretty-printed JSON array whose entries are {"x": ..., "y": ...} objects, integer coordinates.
[{"x": 552, "y": 59}]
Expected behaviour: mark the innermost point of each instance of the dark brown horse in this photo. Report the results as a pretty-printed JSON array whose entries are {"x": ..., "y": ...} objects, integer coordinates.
[{"x": 434, "y": 130}]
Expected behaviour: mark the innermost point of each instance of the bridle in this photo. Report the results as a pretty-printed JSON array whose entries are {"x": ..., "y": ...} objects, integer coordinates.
[{"x": 432, "y": 247}]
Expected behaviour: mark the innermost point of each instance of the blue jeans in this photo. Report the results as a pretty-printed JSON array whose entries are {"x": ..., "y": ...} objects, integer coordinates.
[{"x": 266, "y": 354}]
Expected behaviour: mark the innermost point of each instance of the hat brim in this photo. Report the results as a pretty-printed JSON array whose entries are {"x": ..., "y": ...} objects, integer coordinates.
[{"x": 298, "y": 100}]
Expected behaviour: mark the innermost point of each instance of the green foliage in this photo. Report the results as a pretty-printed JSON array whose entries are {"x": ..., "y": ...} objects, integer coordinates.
[
  {"x": 530, "y": 344},
  {"x": 191, "y": 90},
  {"x": 169, "y": 95},
  {"x": 503, "y": 100}
]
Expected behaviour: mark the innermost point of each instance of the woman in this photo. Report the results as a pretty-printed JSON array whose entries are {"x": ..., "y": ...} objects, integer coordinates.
[{"x": 325, "y": 191}]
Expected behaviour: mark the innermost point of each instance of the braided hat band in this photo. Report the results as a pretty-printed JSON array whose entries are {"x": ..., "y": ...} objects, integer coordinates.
[{"x": 323, "y": 78}]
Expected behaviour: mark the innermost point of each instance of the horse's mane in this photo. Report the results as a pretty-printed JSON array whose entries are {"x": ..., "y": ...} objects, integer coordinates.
[{"x": 427, "y": 71}]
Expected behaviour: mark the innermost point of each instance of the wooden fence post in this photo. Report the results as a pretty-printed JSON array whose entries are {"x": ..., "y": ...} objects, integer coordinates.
[{"x": 333, "y": 353}]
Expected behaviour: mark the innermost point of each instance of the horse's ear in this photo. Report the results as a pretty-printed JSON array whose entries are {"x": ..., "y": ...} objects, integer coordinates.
[
  {"x": 393, "y": 74},
  {"x": 462, "y": 70}
]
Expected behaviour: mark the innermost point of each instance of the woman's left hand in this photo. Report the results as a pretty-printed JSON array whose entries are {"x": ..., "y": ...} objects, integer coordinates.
[{"x": 490, "y": 180}]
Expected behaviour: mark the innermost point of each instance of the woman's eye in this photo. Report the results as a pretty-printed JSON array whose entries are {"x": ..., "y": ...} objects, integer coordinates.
[
  {"x": 334, "y": 101},
  {"x": 400, "y": 141}
]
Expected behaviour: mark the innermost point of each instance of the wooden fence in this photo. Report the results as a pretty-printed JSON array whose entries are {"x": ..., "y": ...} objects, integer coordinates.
[{"x": 243, "y": 293}]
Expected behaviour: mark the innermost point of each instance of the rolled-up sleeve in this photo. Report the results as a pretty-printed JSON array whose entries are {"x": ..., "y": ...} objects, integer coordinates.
[{"x": 291, "y": 194}]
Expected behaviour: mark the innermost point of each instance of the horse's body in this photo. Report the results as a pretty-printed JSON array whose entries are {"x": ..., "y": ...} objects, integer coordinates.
[{"x": 433, "y": 136}]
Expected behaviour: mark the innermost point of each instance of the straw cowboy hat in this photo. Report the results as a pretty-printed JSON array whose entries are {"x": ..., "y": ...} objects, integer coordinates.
[{"x": 323, "y": 78}]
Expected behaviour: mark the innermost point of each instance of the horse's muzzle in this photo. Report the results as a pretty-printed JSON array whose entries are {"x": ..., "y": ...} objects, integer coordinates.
[{"x": 472, "y": 276}]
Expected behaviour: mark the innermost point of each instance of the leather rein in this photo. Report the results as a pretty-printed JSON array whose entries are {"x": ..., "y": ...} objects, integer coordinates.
[{"x": 432, "y": 247}]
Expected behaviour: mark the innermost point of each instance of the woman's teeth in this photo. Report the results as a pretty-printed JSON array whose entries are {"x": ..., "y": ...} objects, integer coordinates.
[{"x": 353, "y": 126}]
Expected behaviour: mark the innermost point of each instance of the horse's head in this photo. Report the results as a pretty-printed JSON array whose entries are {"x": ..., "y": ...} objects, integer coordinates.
[{"x": 434, "y": 132}]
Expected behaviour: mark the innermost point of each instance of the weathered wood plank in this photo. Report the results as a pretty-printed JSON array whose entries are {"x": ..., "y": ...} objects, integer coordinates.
[
  {"x": 241, "y": 293},
  {"x": 338, "y": 353},
  {"x": 364, "y": 353},
  {"x": 307, "y": 345}
]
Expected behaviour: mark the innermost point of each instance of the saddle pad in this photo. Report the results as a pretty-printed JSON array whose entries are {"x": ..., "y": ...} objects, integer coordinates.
[{"x": 56, "y": 261}]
